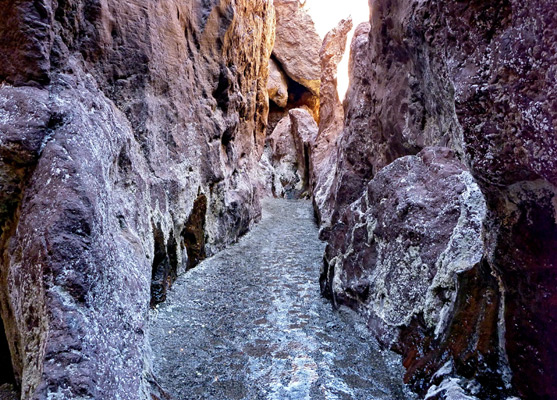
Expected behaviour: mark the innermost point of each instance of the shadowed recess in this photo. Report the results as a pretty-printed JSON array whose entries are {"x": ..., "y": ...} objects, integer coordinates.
[{"x": 6, "y": 371}]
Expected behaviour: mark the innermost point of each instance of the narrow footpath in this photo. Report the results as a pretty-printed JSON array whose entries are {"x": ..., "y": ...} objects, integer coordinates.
[{"x": 250, "y": 323}]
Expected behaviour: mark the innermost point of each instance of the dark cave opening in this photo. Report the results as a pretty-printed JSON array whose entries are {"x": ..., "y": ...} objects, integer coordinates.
[
  {"x": 193, "y": 234},
  {"x": 6, "y": 369},
  {"x": 165, "y": 266}
]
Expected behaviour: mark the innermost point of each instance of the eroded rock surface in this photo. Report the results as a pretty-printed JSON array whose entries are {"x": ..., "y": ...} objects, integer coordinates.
[
  {"x": 115, "y": 120},
  {"x": 297, "y": 44},
  {"x": 476, "y": 77},
  {"x": 249, "y": 323},
  {"x": 277, "y": 85},
  {"x": 506, "y": 100},
  {"x": 323, "y": 150},
  {"x": 287, "y": 154},
  {"x": 401, "y": 252}
]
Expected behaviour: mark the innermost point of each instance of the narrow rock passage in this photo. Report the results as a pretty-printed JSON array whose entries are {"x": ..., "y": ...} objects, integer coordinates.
[{"x": 250, "y": 323}]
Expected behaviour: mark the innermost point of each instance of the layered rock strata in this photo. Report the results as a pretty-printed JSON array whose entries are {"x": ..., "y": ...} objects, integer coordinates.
[
  {"x": 130, "y": 135},
  {"x": 476, "y": 77}
]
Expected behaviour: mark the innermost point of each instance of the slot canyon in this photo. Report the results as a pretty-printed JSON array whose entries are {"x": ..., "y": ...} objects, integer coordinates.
[{"x": 193, "y": 207}]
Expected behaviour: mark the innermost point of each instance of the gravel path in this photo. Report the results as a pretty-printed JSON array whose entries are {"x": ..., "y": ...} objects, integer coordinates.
[{"x": 250, "y": 323}]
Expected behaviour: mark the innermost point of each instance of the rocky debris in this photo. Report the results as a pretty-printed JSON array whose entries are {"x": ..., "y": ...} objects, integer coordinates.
[
  {"x": 297, "y": 44},
  {"x": 331, "y": 119},
  {"x": 476, "y": 77},
  {"x": 277, "y": 85},
  {"x": 114, "y": 119},
  {"x": 287, "y": 154}
]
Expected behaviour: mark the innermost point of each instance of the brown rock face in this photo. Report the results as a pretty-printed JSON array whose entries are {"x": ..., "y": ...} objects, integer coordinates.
[
  {"x": 130, "y": 135},
  {"x": 294, "y": 68},
  {"x": 477, "y": 77},
  {"x": 297, "y": 44},
  {"x": 277, "y": 85},
  {"x": 331, "y": 119}
]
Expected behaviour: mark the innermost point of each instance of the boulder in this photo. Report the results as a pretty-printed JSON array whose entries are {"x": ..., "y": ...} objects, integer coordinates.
[
  {"x": 403, "y": 254},
  {"x": 277, "y": 85},
  {"x": 297, "y": 44}
]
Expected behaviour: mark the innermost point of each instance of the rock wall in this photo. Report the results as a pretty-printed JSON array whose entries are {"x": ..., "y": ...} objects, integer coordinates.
[
  {"x": 130, "y": 136},
  {"x": 506, "y": 103},
  {"x": 331, "y": 122},
  {"x": 293, "y": 89},
  {"x": 287, "y": 155},
  {"x": 296, "y": 59},
  {"x": 477, "y": 77}
]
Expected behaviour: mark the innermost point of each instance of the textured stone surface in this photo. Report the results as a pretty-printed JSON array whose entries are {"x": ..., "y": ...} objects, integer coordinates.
[
  {"x": 502, "y": 63},
  {"x": 267, "y": 333},
  {"x": 114, "y": 118},
  {"x": 7, "y": 392},
  {"x": 287, "y": 154},
  {"x": 331, "y": 120},
  {"x": 297, "y": 44},
  {"x": 417, "y": 224},
  {"x": 399, "y": 252},
  {"x": 399, "y": 101},
  {"x": 477, "y": 77},
  {"x": 29, "y": 25},
  {"x": 277, "y": 85}
]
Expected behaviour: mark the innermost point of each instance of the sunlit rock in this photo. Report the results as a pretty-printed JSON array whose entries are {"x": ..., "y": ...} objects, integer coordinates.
[
  {"x": 277, "y": 85},
  {"x": 297, "y": 44},
  {"x": 323, "y": 150}
]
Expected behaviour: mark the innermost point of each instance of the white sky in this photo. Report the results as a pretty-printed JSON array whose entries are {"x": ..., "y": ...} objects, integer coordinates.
[{"x": 326, "y": 14}]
